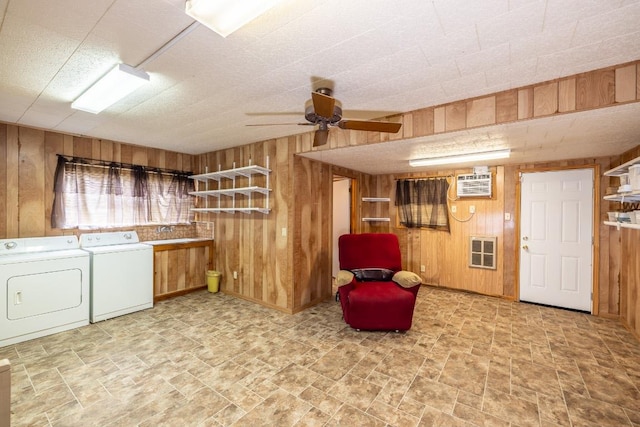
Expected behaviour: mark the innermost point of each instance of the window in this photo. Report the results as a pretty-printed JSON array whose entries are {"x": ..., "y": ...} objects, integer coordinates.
[
  {"x": 422, "y": 203},
  {"x": 107, "y": 195}
]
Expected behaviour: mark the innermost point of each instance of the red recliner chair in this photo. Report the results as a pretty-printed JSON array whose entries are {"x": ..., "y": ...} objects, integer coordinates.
[{"x": 374, "y": 292}]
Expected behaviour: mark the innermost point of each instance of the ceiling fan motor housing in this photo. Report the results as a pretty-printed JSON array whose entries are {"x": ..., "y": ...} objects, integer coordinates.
[{"x": 311, "y": 115}]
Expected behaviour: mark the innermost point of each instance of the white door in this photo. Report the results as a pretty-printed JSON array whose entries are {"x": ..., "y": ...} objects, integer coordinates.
[{"x": 556, "y": 243}]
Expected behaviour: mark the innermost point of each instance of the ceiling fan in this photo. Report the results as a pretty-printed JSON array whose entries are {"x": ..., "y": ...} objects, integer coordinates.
[{"x": 324, "y": 112}]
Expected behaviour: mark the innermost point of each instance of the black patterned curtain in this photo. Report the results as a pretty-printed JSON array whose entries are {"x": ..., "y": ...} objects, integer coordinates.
[{"x": 422, "y": 203}]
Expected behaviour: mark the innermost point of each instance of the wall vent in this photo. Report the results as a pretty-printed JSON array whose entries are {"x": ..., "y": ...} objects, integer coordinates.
[
  {"x": 482, "y": 252},
  {"x": 473, "y": 185}
]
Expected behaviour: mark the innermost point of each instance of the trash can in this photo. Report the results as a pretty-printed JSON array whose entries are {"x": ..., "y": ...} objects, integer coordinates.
[{"x": 213, "y": 280}]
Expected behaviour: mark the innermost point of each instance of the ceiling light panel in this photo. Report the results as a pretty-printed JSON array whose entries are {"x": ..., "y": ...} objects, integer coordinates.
[{"x": 226, "y": 16}]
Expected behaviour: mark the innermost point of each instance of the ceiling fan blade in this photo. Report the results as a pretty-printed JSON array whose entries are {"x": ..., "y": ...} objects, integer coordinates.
[
  {"x": 389, "y": 127},
  {"x": 282, "y": 124},
  {"x": 321, "y": 137},
  {"x": 323, "y": 104}
]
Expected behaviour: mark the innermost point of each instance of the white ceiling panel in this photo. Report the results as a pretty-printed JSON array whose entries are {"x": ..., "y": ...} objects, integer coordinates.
[{"x": 382, "y": 57}]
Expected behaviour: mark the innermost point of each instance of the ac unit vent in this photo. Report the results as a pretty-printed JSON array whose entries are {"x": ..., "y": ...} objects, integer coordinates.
[
  {"x": 472, "y": 185},
  {"x": 482, "y": 252}
]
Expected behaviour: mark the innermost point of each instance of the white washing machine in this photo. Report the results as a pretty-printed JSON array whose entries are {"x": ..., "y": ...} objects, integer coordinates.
[
  {"x": 121, "y": 273},
  {"x": 45, "y": 287}
]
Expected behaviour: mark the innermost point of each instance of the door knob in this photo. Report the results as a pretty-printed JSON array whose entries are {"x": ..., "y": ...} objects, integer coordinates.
[
  {"x": 525, "y": 247},
  {"x": 525, "y": 238}
]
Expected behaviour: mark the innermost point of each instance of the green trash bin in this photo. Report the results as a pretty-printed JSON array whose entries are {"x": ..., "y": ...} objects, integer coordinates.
[{"x": 213, "y": 280}]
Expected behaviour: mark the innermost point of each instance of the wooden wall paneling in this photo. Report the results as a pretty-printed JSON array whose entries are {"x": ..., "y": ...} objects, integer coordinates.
[
  {"x": 630, "y": 280},
  {"x": 422, "y": 122},
  {"x": 281, "y": 261},
  {"x": 595, "y": 89},
  {"x": 507, "y": 106},
  {"x": 4, "y": 164},
  {"x": 95, "y": 148},
  {"x": 610, "y": 290},
  {"x": 126, "y": 153},
  {"x": 455, "y": 116},
  {"x": 31, "y": 183},
  {"x": 106, "y": 150},
  {"x": 637, "y": 81},
  {"x": 525, "y": 103},
  {"x": 12, "y": 195},
  {"x": 82, "y": 147},
  {"x": 567, "y": 95},
  {"x": 625, "y": 83},
  {"x": 545, "y": 99},
  {"x": 509, "y": 233},
  {"x": 53, "y": 144},
  {"x": 481, "y": 112},
  {"x": 68, "y": 145},
  {"x": 439, "y": 119}
]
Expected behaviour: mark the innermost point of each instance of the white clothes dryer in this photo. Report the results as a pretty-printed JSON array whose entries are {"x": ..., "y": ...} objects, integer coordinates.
[
  {"x": 121, "y": 273},
  {"x": 45, "y": 287}
]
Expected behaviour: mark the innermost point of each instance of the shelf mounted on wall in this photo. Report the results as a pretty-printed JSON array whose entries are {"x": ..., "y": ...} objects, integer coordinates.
[{"x": 230, "y": 175}]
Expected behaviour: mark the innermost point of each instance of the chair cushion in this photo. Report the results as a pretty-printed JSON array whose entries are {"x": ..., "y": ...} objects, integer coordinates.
[
  {"x": 372, "y": 274},
  {"x": 380, "y": 306}
]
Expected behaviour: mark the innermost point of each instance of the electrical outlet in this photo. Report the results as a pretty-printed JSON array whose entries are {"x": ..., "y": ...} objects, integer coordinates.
[
  {"x": 423, "y": 269},
  {"x": 472, "y": 209},
  {"x": 283, "y": 232},
  {"x": 235, "y": 274},
  {"x": 454, "y": 209},
  {"x": 507, "y": 216}
]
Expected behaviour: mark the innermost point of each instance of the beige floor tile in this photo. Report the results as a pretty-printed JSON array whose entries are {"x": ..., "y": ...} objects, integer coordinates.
[{"x": 214, "y": 360}]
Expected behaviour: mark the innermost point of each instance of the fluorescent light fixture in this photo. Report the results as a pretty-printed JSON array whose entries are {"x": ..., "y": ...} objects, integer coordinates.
[
  {"x": 462, "y": 158},
  {"x": 226, "y": 16},
  {"x": 112, "y": 87}
]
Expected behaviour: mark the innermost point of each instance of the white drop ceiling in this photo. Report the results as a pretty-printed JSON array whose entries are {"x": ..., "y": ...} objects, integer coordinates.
[{"x": 380, "y": 56}]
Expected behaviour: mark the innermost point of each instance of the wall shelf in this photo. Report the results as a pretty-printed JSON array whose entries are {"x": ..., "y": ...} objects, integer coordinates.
[
  {"x": 220, "y": 176},
  {"x": 376, "y": 200},
  {"x": 620, "y": 225},
  {"x": 619, "y": 171}
]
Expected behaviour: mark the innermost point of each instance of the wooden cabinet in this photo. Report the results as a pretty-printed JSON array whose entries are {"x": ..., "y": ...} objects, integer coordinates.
[{"x": 180, "y": 266}]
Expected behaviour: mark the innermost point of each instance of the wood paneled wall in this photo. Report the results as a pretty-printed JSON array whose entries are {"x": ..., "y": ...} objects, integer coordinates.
[
  {"x": 27, "y": 165},
  {"x": 594, "y": 89}
]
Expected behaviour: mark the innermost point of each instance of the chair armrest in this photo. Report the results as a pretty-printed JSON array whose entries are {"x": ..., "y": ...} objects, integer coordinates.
[
  {"x": 344, "y": 277},
  {"x": 406, "y": 279}
]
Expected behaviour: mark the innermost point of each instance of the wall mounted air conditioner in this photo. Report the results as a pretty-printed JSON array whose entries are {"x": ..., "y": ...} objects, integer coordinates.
[{"x": 474, "y": 185}]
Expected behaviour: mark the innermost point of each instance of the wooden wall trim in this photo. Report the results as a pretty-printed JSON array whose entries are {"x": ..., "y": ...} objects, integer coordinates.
[{"x": 605, "y": 87}]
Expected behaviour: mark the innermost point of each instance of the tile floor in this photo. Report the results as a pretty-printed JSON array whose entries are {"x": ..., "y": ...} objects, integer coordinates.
[{"x": 213, "y": 360}]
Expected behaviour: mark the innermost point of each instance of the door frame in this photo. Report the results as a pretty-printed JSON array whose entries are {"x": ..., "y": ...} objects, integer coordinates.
[{"x": 595, "y": 231}]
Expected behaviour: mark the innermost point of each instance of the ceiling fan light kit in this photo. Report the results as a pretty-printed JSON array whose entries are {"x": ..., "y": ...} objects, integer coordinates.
[
  {"x": 462, "y": 158},
  {"x": 226, "y": 16},
  {"x": 119, "y": 82}
]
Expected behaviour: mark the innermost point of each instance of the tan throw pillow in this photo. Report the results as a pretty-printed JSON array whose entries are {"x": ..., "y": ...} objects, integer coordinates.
[
  {"x": 406, "y": 279},
  {"x": 344, "y": 277}
]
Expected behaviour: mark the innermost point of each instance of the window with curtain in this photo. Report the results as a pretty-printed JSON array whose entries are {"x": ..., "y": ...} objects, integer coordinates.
[
  {"x": 422, "y": 203},
  {"x": 109, "y": 195}
]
